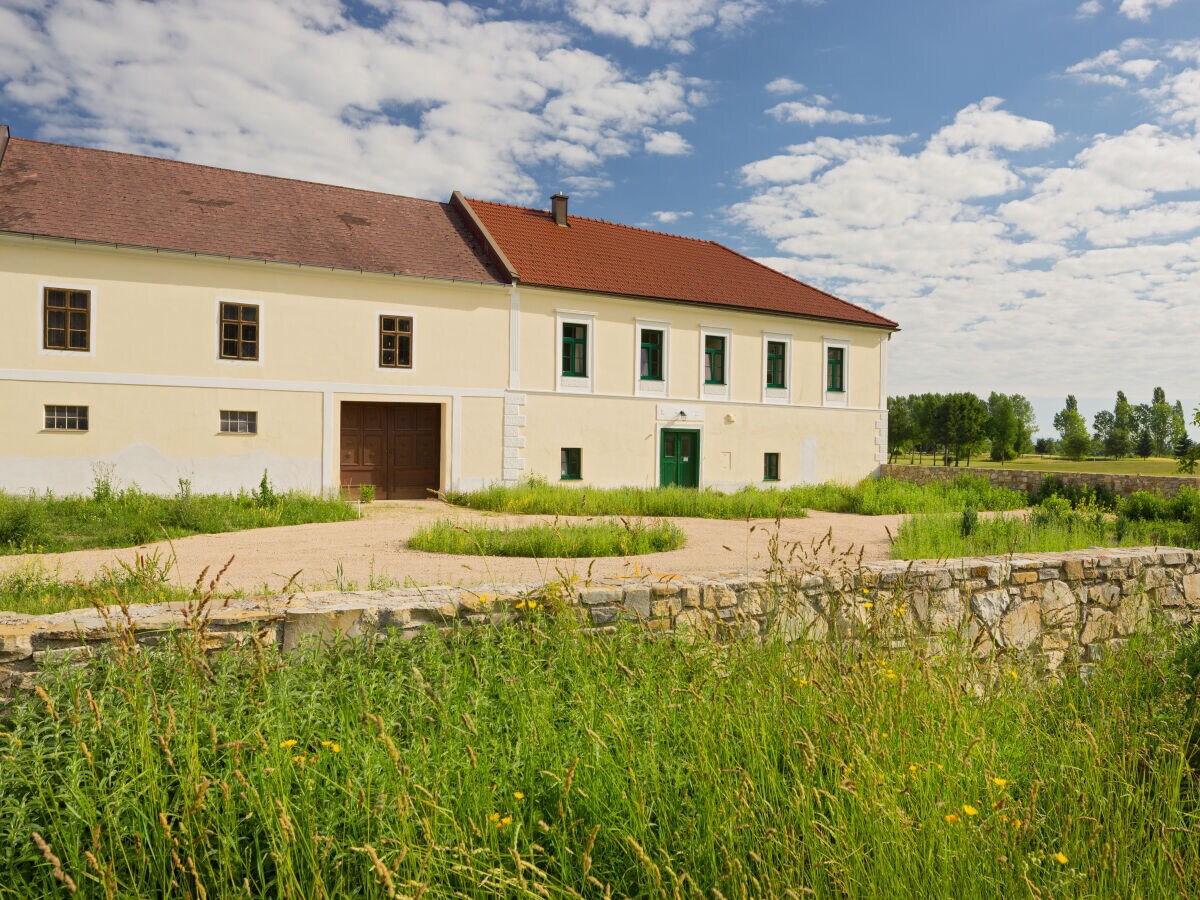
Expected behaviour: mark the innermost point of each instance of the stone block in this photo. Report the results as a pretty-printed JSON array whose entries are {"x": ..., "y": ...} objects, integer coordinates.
[
  {"x": 600, "y": 595},
  {"x": 717, "y": 595},
  {"x": 325, "y": 625},
  {"x": 15, "y": 645},
  {"x": 1073, "y": 569},
  {"x": 1133, "y": 614},
  {"x": 57, "y": 655},
  {"x": 636, "y": 599},
  {"x": 989, "y": 606},
  {"x": 660, "y": 609},
  {"x": 946, "y": 610},
  {"x": 1099, "y": 626},
  {"x": 1058, "y": 606},
  {"x": 1191, "y": 589},
  {"x": 689, "y": 595},
  {"x": 604, "y": 615},
  {"x": 1024, "y": 577},
  {"x": 1021, "y": 627}
]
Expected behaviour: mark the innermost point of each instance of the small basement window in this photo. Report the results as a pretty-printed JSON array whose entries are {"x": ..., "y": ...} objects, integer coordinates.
[
  {"x": 770, "y": 467},
  {"x": 67, "y": 320},
  {"x": 235, "y": 421},
  {"x": 572, "y": 463},
  {"x": 239, "y": 331},
  {"x": 395, "y": 342},
  {"x": 66, "y": 418}
]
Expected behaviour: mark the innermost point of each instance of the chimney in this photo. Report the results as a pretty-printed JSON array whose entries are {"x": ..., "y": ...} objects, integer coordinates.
[
  {"x": 4, "y": 142},
  {"x": 558, "y": 208}
]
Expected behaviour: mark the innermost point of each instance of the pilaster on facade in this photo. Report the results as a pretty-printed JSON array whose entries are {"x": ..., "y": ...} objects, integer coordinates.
[
  {"x": 514, "y": 464},
  {"x": 881, "y": 437}
]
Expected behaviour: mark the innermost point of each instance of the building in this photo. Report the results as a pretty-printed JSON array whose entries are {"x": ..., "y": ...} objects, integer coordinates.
[{"x": 172, "y": 321}]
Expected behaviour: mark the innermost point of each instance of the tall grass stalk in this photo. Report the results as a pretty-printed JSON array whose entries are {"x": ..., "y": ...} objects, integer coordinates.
[
  {"x": 869, "y": 497},
  {"x": 535, "y": 761},
  {"x": 548, "y": 540}
]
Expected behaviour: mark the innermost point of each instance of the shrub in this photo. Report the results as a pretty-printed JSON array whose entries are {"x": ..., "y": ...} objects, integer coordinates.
[
  {"x": 1054, "y": 486},
  {"x": 366, "y": 493}
]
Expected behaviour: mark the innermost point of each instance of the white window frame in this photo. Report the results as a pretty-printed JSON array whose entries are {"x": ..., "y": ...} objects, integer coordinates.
[
  {"x": 570, "y": 384},
  {"x": 262, "y": 347},
  {"x": 716, "y": 391},
  {"x": 395, "y": 370},
  {"x": 781, "y": 395},
  {"x": 245, "y": 434},
  {"x": 651, "y": 388},
  {"x": 835, "y": 398},
  {"x": 40, "y": 321}
]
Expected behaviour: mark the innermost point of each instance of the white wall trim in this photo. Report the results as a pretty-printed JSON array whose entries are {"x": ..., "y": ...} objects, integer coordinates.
[
  {"x": 568, "y": 384},
  {"x": 455, "y": 443},
  {"x": 651, "y": 388},
  {"x": 329, "y": 466},
  {"x": 778, "y": 395},
  {"x": 40, "y": 319},
  {"x": 716, "y": 391},
  {"x": 245, "y": 384},
  {"x": 262, "y": 331},
  {"x": 514, "y": 338},
  {"x": 835, "y": 398}
]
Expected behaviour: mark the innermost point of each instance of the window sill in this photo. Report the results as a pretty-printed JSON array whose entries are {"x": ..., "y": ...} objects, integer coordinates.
[
  {"x": 571, "y": 478},
  {"x": 835, "y": 390},
  {"x": 63, "y": 431},
  {"x": 716, "y": 383},
  {"x": 776, "y": 387},
  {"x": 237, "y": 434},
  {"x": 650, "y": 379}
]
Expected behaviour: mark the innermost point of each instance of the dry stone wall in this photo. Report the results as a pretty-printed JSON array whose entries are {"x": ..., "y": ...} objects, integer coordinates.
[
  {"x": 1029, "y": 481},
  {"x": 1058, "y": 608}
]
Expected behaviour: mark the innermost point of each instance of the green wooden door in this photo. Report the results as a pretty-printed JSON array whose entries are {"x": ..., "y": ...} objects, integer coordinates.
[{"x": 680, "y": 461}]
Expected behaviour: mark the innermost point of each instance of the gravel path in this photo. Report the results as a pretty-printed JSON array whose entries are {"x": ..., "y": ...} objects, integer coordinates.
[{"x": 375, "y": 545}]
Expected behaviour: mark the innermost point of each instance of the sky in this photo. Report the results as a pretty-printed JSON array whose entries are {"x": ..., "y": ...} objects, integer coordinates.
[{"x": 1016, "y": 182}]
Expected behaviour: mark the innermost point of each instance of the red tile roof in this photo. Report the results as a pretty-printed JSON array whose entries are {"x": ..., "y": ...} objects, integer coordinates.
[
  {"x": 53, "y": 190},
  {"x": 593, "y": 255}
]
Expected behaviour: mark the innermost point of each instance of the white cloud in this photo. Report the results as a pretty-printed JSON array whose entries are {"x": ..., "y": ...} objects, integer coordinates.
[
  {"x": 667, "y": 23},
  {"x": 1088, "y": 9},
  {"x": 667, "y": 143},
  {"x": 436, "y": 97},
  {"x": 1141, "y": 10},
  {"x": 1035, "y": 278},
  {"x": 668, "y": 217},
  {"x": 818, "y": 110},
  {"x": 784, "y": 86}
]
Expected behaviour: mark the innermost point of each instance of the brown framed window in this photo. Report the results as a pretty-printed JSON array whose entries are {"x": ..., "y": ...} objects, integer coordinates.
[
  {"x": 66, "y": 418},
  {"x": 67, "y": 319},
  {"x": 235, "y": 421},
  {"x": 395, "y": 342},
  {"x": 239, "y": 331}
]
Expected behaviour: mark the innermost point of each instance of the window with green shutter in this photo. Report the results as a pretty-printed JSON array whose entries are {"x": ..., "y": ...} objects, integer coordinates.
[
  {"x": 574, "y": 350},
  {"x": 652, "y": 355},
  {"x": 714, "y": 359},
  {"x": 572, "y": 463},
  {"x": 776, "y": 364},
  {"x": 836, "y": 370}
]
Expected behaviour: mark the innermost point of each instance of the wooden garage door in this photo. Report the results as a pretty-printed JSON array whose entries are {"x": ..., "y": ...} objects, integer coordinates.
[{"x": 395, "y": 446}]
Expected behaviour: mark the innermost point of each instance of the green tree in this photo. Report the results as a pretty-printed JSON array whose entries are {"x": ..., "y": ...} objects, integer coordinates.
[
  {"x": 900, "y": 426},
  {"x": 1160, "y": 422},
  {"x": 1003, "y": 429},
  {"x": 1070, "y": 425},
  {"x": 1026, "y": 423},
  {"x": 1145, "y": 444},
  {"x": 1120, "y": 439},
  {"x": 1103, "y": 424},
  {"x": 961, "y": 425},
  {"x": 1178, "y": 425}
]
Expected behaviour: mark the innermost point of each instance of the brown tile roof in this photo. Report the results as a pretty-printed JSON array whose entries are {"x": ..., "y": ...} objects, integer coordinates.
[
  {"x": 593, "y": 255},
  {"x": 53, "y": 190}
]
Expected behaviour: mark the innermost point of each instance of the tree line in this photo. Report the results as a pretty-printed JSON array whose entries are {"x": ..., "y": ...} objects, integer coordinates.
[{"x": 952, "y": 428}]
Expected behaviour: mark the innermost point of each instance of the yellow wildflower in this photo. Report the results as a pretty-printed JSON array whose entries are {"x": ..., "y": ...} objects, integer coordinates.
[
  {"x": 940, "y": 767},
  {"x": 520, "y": 605},
  {"x": 300, "y": 760},
  {"x": 883, "y": 734},
  {"x": 999, "y": 782},
  {"x": 1061, "y": 857},
  {"x": 518, "y": 795},
  {"x": 1016, "y": 823},
  {"x": 970, "y": 810},
  {"x": 507, "y": 820},
  {"x": 332, "y": 745},
  {"x": 865, "y": 592},
  {"x": 868, "y": 605},
  {"x": 889, "y": 674},
  {"x": 283, "y": 745},
  {"x": 950, "y": 818},
  {"x": 494, "y": 817},
  {"x": 533, "y": 604},
  {"x": 912, "y": 768}
]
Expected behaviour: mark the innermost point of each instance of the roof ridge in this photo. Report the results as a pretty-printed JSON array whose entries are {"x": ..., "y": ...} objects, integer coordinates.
[
  {"x": 193, "y": 165},
  {"x": 811, "y": 287},
  {"x": 682, "y": 237}
]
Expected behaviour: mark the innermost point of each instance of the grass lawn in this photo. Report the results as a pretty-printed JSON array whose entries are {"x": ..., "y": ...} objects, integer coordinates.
[
  {"x": 1155, "y": 465},
  {"x": 868, "y": 497},
  {"x": 549, "y": 541},
  {"x": 532, "y": 761},
  {"x": 48, "y": 524}
]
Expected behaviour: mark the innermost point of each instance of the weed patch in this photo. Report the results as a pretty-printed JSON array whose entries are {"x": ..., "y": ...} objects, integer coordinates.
[{"x": 550, "y": 540}]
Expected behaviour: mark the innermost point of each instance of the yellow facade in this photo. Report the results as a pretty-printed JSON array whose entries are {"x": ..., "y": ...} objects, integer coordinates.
[{"x": 488, "y": 355}]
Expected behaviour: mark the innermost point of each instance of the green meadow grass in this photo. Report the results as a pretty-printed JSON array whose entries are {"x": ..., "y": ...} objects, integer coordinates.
[
  {"x": 130, "y": 517},
  {"x": 548, "y": 540},
  {"x": 869, "y": 497},
  {"x": 534, "y": 761},
  {"x": 944, "y": 536},
  {"x": 34, "y": 589},
  {"x": 1131, "y": 465}
]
